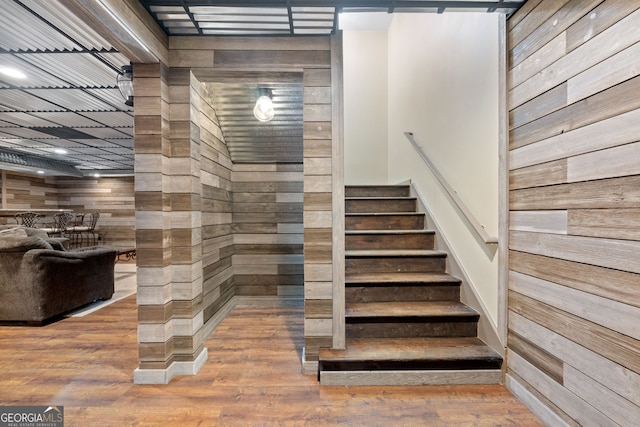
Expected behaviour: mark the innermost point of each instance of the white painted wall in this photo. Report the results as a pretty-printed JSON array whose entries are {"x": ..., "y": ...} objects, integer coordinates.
[
  {"x": 443, "y": 87},
  {"x": 438, "y": 77},
  {"x": 365, "y": 107}
]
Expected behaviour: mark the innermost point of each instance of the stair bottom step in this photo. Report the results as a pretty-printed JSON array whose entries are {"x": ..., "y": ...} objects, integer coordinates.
[
  {"x": 410, "y": 377},
  {"x": 368, "y": 354}
]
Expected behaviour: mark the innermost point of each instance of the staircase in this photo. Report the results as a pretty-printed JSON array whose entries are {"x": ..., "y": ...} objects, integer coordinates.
[{"x": 405, "y": 324}]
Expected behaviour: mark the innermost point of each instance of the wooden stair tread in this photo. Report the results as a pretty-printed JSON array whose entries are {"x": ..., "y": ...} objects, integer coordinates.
[
  {"x": 380, "y": 198},
  {"x": 383, "y": 214},
  {"x": 408, "y": 349},
  {"x": 390, "y": 232},
  {"x": 395, "y": 253},
  {"x": 400, "y": 278},
  {"x": 405, "y": 309}
]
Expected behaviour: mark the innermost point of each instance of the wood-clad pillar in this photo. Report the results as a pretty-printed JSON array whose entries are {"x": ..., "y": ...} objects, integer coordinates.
[
  {"x": 317, "y": 216},
  {"x": 152, "y": 152},
  {"x": 167, "y": 231},
  {"x": 186, "y": 222}
]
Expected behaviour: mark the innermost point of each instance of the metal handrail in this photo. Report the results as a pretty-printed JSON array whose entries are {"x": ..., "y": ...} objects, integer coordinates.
[{"x": 471, "y": 219}]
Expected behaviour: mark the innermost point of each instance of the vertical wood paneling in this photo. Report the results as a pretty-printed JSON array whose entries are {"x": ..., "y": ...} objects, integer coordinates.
[{"x": 574, "y": 275}]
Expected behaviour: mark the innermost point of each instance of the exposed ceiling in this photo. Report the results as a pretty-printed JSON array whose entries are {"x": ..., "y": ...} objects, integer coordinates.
[
  {"x": 69, "y": 99},
  {"x": 291, "y": 17}
]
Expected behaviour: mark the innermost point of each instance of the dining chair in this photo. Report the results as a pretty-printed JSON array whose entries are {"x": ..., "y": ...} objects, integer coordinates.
[
  {"x": 83, "y": 226},
  {"x": 59, "y": 225},
  {"x": 28, "y": 219}
]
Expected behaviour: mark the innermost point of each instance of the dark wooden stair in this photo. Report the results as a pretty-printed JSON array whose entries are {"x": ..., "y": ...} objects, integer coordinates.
[{"x": 404, "y": 321}]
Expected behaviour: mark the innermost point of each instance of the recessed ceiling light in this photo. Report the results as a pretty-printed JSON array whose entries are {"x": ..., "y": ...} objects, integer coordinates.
[
  {"x": 60, "y": 151},
  {"x": 97, "y": 175},
  {"x": 40, "y": 172},
  {"x": 12, "y": 72}
]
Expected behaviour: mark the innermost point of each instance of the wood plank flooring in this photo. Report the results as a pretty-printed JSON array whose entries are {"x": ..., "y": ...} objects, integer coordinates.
[{"x": 252, "y": 378}]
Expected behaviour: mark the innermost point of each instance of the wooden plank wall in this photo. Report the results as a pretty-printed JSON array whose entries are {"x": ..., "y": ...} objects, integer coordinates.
[
  {"x": 217, "y": 233},
  {"x": 267, "y": 227},
  {"x": 574, "y": 271},
  {"x": 111, "y": 197},
  {"x": 319, "y": 279},
  {"x": 311, "y": 56},
  {"x": 25, "y": 191}
]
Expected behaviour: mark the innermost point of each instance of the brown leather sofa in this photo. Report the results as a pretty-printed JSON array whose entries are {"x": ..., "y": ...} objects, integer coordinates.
[{"x": 40, "y": 279}]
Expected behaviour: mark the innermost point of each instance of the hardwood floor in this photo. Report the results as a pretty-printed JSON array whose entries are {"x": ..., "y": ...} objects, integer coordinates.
[{"x": 252, "y": 378}]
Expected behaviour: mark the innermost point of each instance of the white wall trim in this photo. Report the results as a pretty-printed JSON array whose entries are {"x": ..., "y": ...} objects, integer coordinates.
[{"x": 503, "y": 183}]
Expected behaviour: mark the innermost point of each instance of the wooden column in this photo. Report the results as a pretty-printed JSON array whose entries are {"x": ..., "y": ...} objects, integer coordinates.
[
  {"x": 152, "y": 152},
  {"x": 317, "y": 215},
  {"x": 186, "y": 222},
  {"x": 3, "y": 193},
  {"x": 167, "y": 232}
]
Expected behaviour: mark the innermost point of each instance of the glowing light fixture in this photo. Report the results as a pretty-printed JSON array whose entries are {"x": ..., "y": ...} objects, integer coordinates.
[
  {"x": 263, "y": 110},
  {"x": 12, "y": 72},
  {"x": 60, "y": 151},
  {"x": 125, "y": 84}
]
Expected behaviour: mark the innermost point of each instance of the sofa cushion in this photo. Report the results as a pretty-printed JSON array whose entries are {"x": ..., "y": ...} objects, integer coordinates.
[
  {"x": 16, "y": 231},
  {"x": 22, "y": 244}
]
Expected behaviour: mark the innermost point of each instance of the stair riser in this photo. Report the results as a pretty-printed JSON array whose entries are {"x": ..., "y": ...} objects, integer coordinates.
[
  {"x": 375, "y": 329},
  {"x": 420, "y": 292},
  {"x": 373, "y": 191},
  {"x": 426, "y": 365},
  {"x": 416, "y": 264},
  {"x": 394, "y": 241},
  {"x": 384, "y": 222},
  {"x": 380, "y": 206},
  {"x": 349, "y": 377}
]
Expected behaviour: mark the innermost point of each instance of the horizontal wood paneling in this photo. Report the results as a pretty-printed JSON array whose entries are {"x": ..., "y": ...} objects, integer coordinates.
[
  {"x": 554, "y": 222},
  {"x": 265, "y": 198},
  {"x": 605, "y": 45},
  {"x": 539, "y": 175},
  {"x": 612, "y": 284},
  {"x": 112, "y": 198},
  {"x": 574, "y": 274},
  {"x": 545, "y": 116},
  {"x": 217, "y": 210},
  {"x": 23, "y": 191},
  {"x": 607, "y": 223}
]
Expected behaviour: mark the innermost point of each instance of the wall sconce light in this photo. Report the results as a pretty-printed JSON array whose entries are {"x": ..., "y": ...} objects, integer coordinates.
[
  {"x": 263, "y": 110},
  {"x": 125, "y": 84}
]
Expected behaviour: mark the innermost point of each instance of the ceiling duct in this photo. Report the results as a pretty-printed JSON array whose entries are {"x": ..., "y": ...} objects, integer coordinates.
[{"x": 21, "y": 162}]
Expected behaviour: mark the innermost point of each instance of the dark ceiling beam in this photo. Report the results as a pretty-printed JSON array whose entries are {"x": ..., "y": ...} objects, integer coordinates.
[
  {"x": 386, "y": 4},
  {"x": 126, "y": 25}
]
